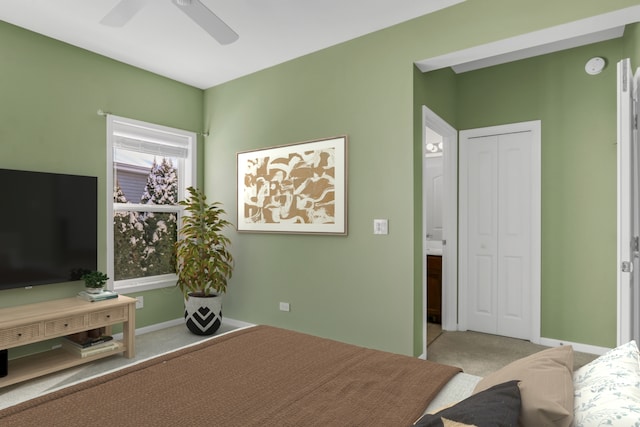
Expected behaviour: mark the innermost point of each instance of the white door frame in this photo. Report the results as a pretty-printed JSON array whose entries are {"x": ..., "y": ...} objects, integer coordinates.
[
  {"x": 450, "y": 222},
  {"x": 535, "y": 128},
  {"x": 627, "y": 278}
]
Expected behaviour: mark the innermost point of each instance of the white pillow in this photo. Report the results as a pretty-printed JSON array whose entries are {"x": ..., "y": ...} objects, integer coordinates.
[{"x": 607, "y": 390}]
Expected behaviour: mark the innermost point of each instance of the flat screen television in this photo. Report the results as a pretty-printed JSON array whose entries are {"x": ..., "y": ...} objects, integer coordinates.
[{"x": 48, "y": 227}]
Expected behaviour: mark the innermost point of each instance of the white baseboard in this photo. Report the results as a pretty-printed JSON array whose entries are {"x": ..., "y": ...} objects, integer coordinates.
[
  {"x": 236, "y": 323},
  {"x": 159, "y": 326},
  {"x": 548, "y": 342},
  {"x": 180, "y": 321},
  {"x": 582, "y": 348}
]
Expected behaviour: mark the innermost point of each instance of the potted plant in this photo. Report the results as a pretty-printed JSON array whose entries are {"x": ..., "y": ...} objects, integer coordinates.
[
  {"x": 94, "y": 281},
  {"x": 204, "y": 263}
]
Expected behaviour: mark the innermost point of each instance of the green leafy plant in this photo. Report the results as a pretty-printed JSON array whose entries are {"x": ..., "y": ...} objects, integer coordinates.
[
  {"x": 204, "y": 263},
  {"x": 94, "y": 279}
]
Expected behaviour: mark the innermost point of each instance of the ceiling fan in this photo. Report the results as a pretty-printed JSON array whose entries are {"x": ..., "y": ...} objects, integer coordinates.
[{"x": 194, "y": 9}]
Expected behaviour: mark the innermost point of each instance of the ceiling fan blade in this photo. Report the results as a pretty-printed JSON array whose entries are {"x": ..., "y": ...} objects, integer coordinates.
[
  {"x": 208, "y": 20},
  {"x": 122, "y": 12}
]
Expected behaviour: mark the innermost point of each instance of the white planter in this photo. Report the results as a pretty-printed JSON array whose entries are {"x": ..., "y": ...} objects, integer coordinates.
[
  {"x": 93, "y": 290},
  {"x": 203, "y": 315}
]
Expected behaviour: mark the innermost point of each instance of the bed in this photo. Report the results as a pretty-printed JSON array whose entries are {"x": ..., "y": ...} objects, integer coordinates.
[
  {"x": 269, "y": 376},
  {"x": 544, "y": 390},
  {"x": 259, "y": 375}
]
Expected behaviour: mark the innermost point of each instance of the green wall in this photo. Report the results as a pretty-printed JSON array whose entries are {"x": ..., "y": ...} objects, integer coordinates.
[
  {"x": 362, "y": 288},
  {"x": 358, "y": 288},
  {"x": 331, "y": 282},
  {"x": 632, "y": 44},
  {"x": 49, "y": 96},
  {"x": 578, "y": 114}
]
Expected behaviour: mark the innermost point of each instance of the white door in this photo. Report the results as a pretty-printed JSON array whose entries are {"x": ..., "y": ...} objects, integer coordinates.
[
  {"x": 433, "y": 189},
  {"x": 500, "y": 230},
  {"x": 479, "y": 158},
  {"x": 628, "y": 275},
  {"x": 515, "y": 203},
  {"x": 449, "y": 219}
]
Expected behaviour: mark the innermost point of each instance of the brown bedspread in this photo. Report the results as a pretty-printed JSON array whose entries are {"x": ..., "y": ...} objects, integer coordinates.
[{"x": 256, "y": 376}]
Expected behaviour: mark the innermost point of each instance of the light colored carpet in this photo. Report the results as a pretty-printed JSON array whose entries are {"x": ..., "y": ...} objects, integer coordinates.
[
  {"x": 481, "y": 354},
  {"x": 433, "y": 331},
  {"x": 148, "y": 345}
]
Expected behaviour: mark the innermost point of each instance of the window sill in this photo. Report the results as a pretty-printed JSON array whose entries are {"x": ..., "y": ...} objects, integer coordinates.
[{"x": 131, "y": 286}]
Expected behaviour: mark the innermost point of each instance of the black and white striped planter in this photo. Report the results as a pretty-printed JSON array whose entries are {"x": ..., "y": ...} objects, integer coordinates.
[{"x": 203, "y": 314}]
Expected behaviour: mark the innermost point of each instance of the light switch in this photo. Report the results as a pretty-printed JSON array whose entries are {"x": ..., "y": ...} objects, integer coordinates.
[{"x": 380, "y": 226}]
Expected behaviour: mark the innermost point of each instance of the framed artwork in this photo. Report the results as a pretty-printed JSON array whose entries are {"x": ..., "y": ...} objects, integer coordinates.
[{"x": 295, "y": 188}]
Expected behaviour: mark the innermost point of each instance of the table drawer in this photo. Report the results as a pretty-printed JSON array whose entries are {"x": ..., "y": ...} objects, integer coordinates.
[
  {"x": 65, "y": 326},
  {"x": 20, "y": 335},
  {"x": 112, "y": 315}
]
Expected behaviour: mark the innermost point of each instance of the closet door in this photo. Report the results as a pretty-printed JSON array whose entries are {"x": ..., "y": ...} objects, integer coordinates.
[
  {"x": 514, "y": 235},
  {"x": 482, "y": 241},
  {"x": 498, "y": 260}
]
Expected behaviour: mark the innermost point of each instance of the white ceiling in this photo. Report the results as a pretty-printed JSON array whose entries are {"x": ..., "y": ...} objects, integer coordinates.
[{"x": 162, "y": 39}]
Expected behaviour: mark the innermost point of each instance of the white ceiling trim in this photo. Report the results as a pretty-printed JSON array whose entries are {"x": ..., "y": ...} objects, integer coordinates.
[{"x": 578, "y": 33}]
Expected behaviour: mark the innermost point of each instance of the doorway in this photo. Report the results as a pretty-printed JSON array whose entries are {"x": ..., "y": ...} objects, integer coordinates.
[{"x": 454, "y": 300}]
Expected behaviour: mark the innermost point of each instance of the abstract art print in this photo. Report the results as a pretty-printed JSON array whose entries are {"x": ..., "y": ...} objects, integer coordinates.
[{"x": 296, "y": 188}]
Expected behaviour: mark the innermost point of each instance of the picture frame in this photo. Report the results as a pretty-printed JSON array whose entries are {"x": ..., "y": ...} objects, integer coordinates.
[{"x": 296, "y": 188}]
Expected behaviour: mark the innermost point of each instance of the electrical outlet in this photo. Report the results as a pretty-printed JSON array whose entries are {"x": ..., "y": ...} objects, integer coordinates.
[
  {"x": 284, "y": 306},
  {"x": 139, "y": 302},
  {"x": 380, "y": 226}
]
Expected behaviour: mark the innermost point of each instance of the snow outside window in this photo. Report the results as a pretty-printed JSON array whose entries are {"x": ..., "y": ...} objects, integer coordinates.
[{"x": 150, "y": 167}]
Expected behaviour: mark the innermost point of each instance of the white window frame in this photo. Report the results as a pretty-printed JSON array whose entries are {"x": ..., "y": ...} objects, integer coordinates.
[{"x": 135, "y": 131}]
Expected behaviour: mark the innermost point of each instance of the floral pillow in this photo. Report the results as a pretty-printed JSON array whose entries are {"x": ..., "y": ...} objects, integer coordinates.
[{"x": 607, "y": 390}]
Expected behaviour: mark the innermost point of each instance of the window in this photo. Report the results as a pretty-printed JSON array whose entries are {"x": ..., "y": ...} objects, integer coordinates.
[{"x": 149, "y": 169}]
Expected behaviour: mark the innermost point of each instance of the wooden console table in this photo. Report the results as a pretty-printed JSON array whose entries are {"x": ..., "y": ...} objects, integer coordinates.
[{"x": 27, "y": 324}]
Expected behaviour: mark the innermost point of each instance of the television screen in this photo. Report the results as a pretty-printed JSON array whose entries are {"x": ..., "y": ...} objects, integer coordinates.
[{"x": 48, "y": 227}]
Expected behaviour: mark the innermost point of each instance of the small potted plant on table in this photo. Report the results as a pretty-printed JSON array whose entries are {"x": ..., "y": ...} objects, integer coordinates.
[{"x": 94, "y": 281}]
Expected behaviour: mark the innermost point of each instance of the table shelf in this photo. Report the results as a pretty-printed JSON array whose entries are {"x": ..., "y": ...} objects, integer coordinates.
[{"x": 28, "y": 324}]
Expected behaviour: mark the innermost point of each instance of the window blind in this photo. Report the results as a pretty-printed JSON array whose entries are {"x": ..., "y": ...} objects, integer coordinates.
[
  {"x": 142, "y": 139},
  {"x": 149, "y": 147}
]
